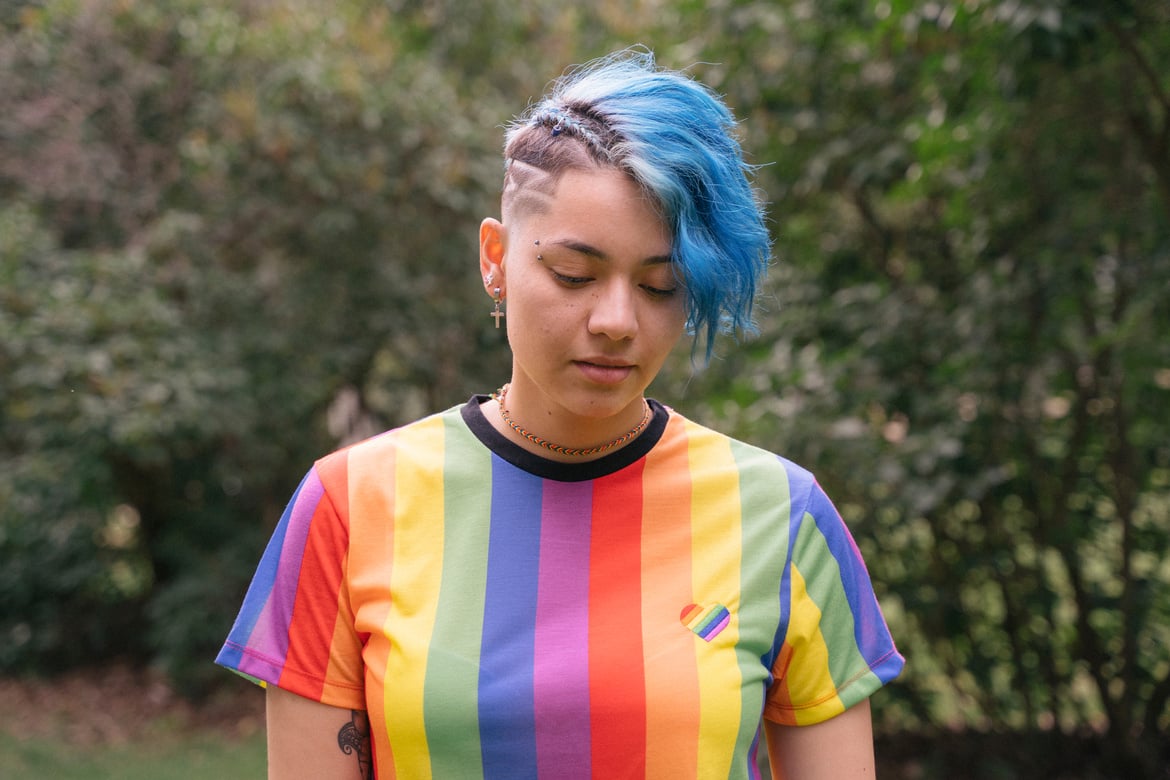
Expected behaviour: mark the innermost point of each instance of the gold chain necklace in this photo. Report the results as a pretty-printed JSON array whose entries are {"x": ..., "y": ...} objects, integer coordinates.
[{"x": 571, "y": 451}]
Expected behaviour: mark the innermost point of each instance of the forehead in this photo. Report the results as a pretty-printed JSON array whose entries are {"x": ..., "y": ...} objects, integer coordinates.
[{"x": 603, "y": 208}]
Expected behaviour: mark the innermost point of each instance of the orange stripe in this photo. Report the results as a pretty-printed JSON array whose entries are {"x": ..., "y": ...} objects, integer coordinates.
[
  {"x": 372, "y": 485},
  {"x": 780, "y": 699}
]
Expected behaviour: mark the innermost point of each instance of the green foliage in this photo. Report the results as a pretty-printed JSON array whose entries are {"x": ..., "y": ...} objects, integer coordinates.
[
  {"x": 966, "y": 340},
  {"x": 217, "y": 223},
  {"x": 228, "y": 247}
]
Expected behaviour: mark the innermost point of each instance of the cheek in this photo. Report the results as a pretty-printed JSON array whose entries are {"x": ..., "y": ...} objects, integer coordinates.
[
  {"x": 664, "y": 330},
  {"x": 675, "y": 320},
  {"x": 537, "y": 317},
  {"x": 547, "y": 307}
]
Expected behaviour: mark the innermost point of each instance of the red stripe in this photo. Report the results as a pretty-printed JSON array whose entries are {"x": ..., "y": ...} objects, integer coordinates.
[
  {"x": 315, "y": 610},
  {"x": 617, "y": 687}
]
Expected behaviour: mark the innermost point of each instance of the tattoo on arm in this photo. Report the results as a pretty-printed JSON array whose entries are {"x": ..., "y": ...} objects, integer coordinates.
[{"x": 354, "y": 739}]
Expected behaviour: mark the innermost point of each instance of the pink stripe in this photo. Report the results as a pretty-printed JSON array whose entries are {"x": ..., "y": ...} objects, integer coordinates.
[{"x": 561, "y": 669}]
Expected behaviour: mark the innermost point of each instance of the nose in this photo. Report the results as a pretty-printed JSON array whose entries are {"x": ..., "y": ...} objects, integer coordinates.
[{"x": 614, "y": 312}]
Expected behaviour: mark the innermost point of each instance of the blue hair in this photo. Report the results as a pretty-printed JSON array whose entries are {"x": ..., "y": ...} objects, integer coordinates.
[{"x": 675, "y": 138}]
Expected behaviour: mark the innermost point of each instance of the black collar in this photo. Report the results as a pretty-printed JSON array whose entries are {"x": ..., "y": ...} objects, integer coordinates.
[{"x": 562, "y": 471}]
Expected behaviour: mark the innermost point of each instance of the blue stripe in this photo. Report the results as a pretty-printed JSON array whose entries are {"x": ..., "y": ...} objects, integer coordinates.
[
  {"x": 869, "y": 628},
  {"x": 261, "y": 588},
  {"x": 508, "y": 732},
  {"x": 799, "y": 483}
]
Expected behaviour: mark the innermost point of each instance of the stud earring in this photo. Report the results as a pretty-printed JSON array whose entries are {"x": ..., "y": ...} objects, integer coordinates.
[
  {"x": 487, "y": 279},
  {"x": 497, "y": 313}
]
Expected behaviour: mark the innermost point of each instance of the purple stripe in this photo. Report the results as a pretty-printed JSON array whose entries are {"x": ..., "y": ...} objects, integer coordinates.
[
  {"x": 270, "y": 636},
  {"x": 799, "y": 481},
  {"x": 754, "y": 768},
  {"x": 561, "y": 674}
]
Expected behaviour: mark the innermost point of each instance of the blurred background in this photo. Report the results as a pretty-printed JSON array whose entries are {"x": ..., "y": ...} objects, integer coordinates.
[{"x": 235, "y": 234}]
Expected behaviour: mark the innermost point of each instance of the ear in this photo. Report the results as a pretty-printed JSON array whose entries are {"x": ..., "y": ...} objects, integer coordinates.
[{"x": 493, "y": 241}]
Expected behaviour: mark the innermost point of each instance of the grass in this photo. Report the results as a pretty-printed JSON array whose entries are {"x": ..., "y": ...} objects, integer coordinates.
[
  {"x": 167, "y": 756},
  {"x": 119, "y": 721}
]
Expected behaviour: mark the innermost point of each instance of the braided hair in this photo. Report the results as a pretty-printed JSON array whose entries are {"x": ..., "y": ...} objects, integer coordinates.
[{"x": 674, "y": 137}]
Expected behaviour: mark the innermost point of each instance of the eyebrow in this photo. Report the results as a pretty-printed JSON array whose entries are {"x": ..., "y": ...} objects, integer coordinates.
[{"x": 597, "y": 254}]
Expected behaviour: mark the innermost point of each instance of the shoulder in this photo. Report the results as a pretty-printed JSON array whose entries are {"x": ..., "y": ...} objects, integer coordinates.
[
  {"x": 357, "y": 482},
  {"x": 762, "y": 481},
  {"x": 752, "y": 460},
  {"x": 413, "y": 440}
]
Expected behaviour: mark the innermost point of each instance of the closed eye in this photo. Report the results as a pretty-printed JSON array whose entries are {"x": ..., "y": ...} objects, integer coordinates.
[
  {"x": 573, "y": 281},
  {"x": 658, "y": 292}
]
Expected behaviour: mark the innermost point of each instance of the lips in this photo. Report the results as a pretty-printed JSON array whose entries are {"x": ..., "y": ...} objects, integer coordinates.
[{"x": 604, "y": 371}]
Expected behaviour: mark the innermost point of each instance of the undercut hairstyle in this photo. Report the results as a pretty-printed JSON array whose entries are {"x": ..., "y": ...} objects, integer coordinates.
[{"x": 675, "y": 138}]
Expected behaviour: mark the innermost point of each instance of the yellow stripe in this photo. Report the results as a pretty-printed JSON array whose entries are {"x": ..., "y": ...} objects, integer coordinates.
[
  {"x": 716, "y": 537},
  {"x": 414, "y": 587},
  {"x": 812, "y": 678}
]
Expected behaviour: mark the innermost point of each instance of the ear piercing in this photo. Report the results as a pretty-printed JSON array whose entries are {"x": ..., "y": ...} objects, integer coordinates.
[{"x": 497, "y": 313}]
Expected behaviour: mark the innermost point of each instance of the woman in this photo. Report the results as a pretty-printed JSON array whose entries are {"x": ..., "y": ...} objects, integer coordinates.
[{"x": 565, "y": 579}]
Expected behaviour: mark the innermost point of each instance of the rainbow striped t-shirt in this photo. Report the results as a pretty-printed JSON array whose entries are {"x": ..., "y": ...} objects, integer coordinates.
[{"x": 500, "y": 615}]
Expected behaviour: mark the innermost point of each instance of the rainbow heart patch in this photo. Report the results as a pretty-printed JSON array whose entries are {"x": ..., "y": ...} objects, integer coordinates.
[{"x": 707, "y": 621}]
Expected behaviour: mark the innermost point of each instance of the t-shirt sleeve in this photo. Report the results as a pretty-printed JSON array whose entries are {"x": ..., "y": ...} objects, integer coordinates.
[
  {"x": 836, "y": 650},
  {"x": 295, "y": 629}
]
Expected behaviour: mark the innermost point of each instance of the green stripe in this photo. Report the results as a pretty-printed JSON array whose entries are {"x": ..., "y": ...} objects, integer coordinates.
[
  {"x": 453, "y": 659},
  {"x": 764, "y": 505},
  {"x": 815, "y": 562}
]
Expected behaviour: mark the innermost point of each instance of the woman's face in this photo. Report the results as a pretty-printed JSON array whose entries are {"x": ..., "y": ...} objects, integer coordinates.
[{"x": 593, "y": 306}]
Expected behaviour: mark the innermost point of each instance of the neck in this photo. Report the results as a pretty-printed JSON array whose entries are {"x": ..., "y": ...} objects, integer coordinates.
[{"x": 581, "y": 443}]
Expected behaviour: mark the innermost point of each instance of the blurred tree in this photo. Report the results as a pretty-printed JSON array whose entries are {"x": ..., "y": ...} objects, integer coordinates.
[
  {"x": 968, "y": 339},
  {"x": 231, "y": 213},
  {"x": 247, "y": 233}
]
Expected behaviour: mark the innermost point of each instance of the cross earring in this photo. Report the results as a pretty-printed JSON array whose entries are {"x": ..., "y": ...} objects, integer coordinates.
[{"x": 497, "y": 313}]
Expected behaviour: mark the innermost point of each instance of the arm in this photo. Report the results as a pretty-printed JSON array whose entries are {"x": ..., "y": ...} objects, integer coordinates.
[
  {"x": 840, "y": 748},
  {"x": 309, "y": 739}
]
